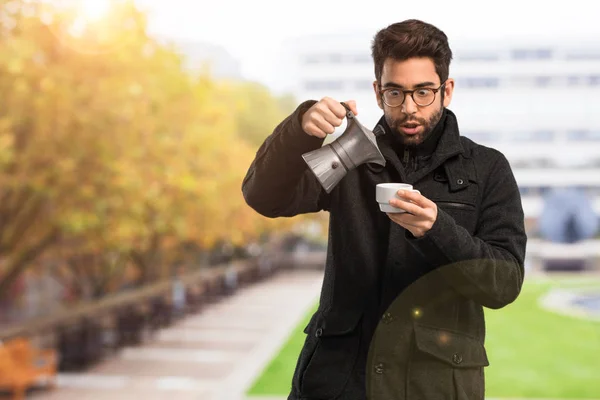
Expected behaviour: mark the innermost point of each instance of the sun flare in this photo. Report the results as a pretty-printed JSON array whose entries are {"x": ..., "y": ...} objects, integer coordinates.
[{"x": 94, "y": 10}]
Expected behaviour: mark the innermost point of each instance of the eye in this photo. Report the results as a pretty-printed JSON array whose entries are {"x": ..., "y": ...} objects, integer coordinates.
[
  {"x": 393, "y": 93},
  {"x": 423, "y": 92}
]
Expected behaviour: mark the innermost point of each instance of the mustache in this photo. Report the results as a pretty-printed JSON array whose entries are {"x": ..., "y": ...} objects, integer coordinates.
[
  {"x": 408, "y": 120},
  {"x": 411, "y": 120}
]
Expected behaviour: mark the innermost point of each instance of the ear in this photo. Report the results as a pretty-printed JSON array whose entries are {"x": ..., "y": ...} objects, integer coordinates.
[
  {"x": 377, "y": 96},
  {"x": 448, "y": 90}
]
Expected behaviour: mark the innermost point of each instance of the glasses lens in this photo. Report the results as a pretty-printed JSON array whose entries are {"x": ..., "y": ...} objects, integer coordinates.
[
  {"x": 393, "y": 98},
  {"x": 424, "y": 97}
]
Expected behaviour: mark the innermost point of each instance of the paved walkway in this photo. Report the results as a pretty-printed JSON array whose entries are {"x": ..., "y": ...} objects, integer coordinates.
[{"x": 215, "y": 355}]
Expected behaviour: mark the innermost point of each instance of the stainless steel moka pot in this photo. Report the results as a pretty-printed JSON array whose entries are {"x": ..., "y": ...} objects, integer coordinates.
[{"x": 356, "y": 145}]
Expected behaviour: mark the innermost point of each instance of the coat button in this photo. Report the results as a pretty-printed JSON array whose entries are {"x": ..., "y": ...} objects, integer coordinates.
[
  {"x": 319, "y": 332},
  {"x": 457, "y": 358},
  {"x": 379, "y": 368},
  {"x": 387, "y": 318},
  {"x": 460, "y": 181}
]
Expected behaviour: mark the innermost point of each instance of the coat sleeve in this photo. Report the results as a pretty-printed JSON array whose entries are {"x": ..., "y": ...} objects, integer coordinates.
[
  {"x": 487, "y": 267},
  {"x": 278, "y": 182}
]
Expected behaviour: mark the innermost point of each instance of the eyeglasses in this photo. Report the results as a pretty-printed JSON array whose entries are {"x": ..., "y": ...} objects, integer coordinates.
[{"x": 423, "y": 97}]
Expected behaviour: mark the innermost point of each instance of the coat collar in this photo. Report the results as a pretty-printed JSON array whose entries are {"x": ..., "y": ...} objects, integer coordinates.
[{"x": 448, "y": 146}]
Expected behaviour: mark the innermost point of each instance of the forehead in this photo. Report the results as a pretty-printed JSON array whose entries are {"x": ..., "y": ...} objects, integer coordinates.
[{"x": 409, "y": 72}]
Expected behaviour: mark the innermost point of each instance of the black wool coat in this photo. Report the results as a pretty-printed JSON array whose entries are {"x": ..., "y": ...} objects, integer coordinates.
[{"x": 399, "y": 317}]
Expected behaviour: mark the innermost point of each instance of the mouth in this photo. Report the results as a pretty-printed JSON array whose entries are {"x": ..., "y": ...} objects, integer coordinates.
[{"x": 410, "y": 128}]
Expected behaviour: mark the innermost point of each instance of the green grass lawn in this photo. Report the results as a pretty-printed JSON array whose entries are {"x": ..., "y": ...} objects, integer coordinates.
[{"x": 533, "y": 352}]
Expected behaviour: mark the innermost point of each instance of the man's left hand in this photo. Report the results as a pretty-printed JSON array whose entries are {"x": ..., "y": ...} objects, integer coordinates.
[{"x": 420, "y": 214}]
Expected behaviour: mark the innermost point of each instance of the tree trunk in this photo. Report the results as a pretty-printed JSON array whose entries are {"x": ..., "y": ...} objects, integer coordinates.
[{"x": 24, "y": 259}]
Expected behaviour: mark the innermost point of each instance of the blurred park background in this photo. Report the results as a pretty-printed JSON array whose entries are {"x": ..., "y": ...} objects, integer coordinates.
[{"x": 130, "y": 266}]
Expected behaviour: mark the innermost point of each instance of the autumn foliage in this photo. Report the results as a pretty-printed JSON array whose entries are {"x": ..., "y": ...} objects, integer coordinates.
[{"x": 113, "y": 154}]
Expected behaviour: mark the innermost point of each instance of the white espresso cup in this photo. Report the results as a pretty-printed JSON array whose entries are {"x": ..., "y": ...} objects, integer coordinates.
[{"x": 384, "y": 192}]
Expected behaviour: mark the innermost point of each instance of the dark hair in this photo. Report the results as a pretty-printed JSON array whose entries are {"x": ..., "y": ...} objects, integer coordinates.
[{"x": 408, "y": 39}]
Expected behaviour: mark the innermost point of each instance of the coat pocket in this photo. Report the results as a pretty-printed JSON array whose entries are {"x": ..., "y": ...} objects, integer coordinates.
[
  {"x": 463, "y": 212},
  {"x": 307, "y": 351},
  {"x": 330, "y": 361},
  {"x": 446, "y": 364}
]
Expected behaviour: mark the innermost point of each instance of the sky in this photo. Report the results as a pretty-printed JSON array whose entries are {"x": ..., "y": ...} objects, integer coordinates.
[{"x": 253, "y": 31}]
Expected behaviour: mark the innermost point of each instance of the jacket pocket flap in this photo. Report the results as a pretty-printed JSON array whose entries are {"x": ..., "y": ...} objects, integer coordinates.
[
  {"x": 313, "y": 320},
  {"x": 454, "y": 348},
  {"x": 337, "y": 324}
]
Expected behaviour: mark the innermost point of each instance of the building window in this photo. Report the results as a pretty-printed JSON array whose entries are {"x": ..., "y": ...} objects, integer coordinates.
[
  {"x": 590, "y": 80},
  {"x": 543, "y": 81},
  {"x": 594, "y": 80},
  {"x": 583, "y": 135},
  {"x": 589, "y": 54},
  {"x": 577, "y": 135},
  {"x": 481, "y": 136},
  {"x": 524, "y": 190},
  {"x": 363, "y": 85},
  {"x": 312, "y": 59},
  {"x": 532, "y": 54},
  {"x": 361, "y": 58},
  {"x": 324, "y": 85},
  {"x": 574, "y": 80},
  {"x": 478, "y": 57},
  {"x": 335, "y": 58},
  {"x": 331, "y": 58},
  {"x": 480, "y": 82},
  {"x": 538, "y": 136}
]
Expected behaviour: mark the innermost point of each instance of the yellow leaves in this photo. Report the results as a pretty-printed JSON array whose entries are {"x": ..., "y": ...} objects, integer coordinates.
[
  {"x": 87, "y": 191},
  {"x": 188, "y": 183},
  {"x": 135, "y": 89},
  {"x": 78, "y": 222},
  {"x": 14, "y": 66},
  {"x": 7, "y": 140},
  {"x": 123, "y": 141},
  {"x": 66, "y": 165},
  {"x": 125, "y": 232},
  {"x": 46, "y": 84}
]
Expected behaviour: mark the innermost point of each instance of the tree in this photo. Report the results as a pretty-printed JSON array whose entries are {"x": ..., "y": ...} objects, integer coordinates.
[{"x": 112, "y": 153}]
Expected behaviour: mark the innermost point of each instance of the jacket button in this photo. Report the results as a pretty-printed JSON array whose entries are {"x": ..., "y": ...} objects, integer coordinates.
[
  {"x": 457, "y": 358},
  {"x": 379, "y": 368},
  {"x": 460, "y": 181},
  {"x": 387, "y": 318},
  {"x": 319, "y": 332}
]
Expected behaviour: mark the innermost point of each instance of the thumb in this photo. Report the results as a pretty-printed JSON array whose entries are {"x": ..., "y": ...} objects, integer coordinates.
[{"x": 352, "y": 105}]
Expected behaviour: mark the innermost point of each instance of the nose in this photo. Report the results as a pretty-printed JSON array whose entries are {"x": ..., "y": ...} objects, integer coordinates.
[{"x": 409, "y": 106}]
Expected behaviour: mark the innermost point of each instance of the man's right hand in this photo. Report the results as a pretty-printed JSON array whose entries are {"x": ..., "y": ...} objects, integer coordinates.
[{"x": 324, "y": 116}]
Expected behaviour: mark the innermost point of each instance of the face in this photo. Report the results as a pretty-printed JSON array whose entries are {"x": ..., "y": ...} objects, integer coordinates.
[{"x": 413, "y": 123}]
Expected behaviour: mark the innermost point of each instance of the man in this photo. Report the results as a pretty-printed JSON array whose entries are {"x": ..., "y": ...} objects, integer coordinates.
[{"x": 463, "y": 235}]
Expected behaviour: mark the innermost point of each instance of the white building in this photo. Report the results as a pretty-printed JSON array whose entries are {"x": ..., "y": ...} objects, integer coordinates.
[
  {"x": 536, "y": 100},
  {"x": 198, "y": 55}
]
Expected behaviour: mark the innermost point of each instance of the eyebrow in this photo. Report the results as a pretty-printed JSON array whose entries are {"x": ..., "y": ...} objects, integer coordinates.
[{"x": 417, "y": 86}]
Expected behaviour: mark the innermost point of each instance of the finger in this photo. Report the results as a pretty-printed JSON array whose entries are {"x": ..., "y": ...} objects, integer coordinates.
[
  {"x": 313, "y": 130},
  {"x": 331, "y": 118},
  {"x": 415, "y": 197},
  {"x": 335, "y": 107},
  {"x": 404, "y": 220},
  {"x": 409, "y": 219},
  {"x": 323, "y": 125},
  {"x": 352, "y": 105},
  {"x": 407, "y": 206}
]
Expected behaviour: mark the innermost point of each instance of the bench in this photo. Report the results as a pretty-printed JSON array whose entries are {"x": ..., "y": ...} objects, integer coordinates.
[{"x": 23, "y": 366}]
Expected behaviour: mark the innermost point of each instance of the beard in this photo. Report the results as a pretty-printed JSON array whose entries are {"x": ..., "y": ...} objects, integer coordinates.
[{"x": 413, "y": 140}]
